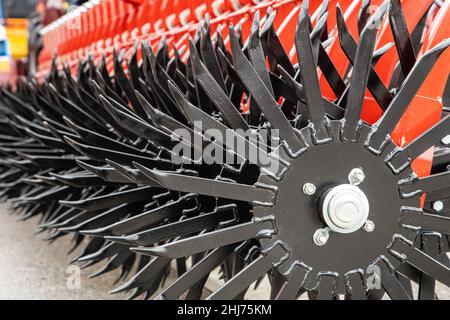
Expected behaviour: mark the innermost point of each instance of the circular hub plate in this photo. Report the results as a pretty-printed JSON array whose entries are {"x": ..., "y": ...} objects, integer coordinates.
[{"x": 298, "y": 215}]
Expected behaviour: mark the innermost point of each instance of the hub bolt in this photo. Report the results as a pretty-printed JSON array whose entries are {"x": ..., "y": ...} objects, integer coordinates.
[
  {"x": 309, "y": 189},
  {"x": 369, "y": 226},
  {"x": 438, "y": 206},
  {"x": 446, "y": 140},
  {"x": 356, "y": 176},
  {"x": 321, "y": 237}
]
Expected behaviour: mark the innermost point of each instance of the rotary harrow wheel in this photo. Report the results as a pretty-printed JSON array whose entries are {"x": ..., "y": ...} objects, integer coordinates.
[{"x": 338, "y": 193}]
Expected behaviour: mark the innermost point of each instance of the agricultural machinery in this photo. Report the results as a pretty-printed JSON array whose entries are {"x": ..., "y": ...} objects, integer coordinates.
[{"x": 300, "y": 143}]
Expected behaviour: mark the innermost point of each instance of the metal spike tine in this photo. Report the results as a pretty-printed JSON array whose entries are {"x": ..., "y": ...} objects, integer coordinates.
[
  {"x": 363, "y": 15},
  {"x": 170, "y": 125},
  {"x": 133, "y": 63},
  {"x": 402, "y": 38},
  {"x": 275, "y": 51},
  {"x": 360, "y": 74},
  {"x": 146, "y": 274},
  {"x": 106, "y": 251},
  {"x": 161, "y": 89},
  {"x": 311, "y": 88},
  {"x": 108, "y": 103},
  {"x": 148, "y": 219},
  {"x": 316, "y": 35},
  {"x": 256, "y": 53},
  {"x": 107, "y": 174},
  {"x": 114, "y": 263},
  {"x": 350, "y": 47},
  {"x": 100, "y": 154},
  {"x": 127, "y": 87},
  {"x": 355, "y": 286},
  {"x": 207, "y": 241},
  {"x": 141, "y": 128},
  {"x": 270, "y": 18},
  {"x": 98, "y": 87},
  {"x": 434, "y": 182},
  {"x": 379, "y": 53},
  {"x": 181, "y": 228},
  {"x": 407, "y": 92},
  {"x": 255, "y": 28},
  {"x": 263, "y": 97},
  {"x": 258, "y": 59},
  {"x": 242, "y": 280},
  {"x": 403, "y": 249},
  {"x": 160, "y": 119},
  {"x": 209, "y": 55},
  {"x": 233, "y": 76},
  {"x": 181, "y": 100},
  {"x": 149, "y": 109},
  {"x": 323, "y": 8},
  {"x": 145, "y": 57},
  {"x": 215, "y": 93},
  {"x": 101, "y": 140},
  {"x": 113, "y": 199},
  {"x": 446, "y": 94},
  {"x": 195, "y": 114},
  {"x": 296, "y": 87},
  {"x": 131, "y": 174},
  {"x": 58, "y": 133},
  {"x": 89, "y": 168},
  {"x": 112, "y": 110},
  {"x": 213, "y": 188},
  {"x": 426, "y": 221},
  {"x": 291, "y": 288},
  {"x": 422, "y": 143},
  {"x": 389, "y": 281},
  {"x": 431, "y": 243},
  {"x": 198, "y": 271},
  {"x": 162, "y": 52},
  {"x": 78, "y": 181},
  {"x": 333, "y": 111}
]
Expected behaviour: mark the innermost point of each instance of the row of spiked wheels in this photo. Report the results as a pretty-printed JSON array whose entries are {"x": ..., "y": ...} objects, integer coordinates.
[{"x": 330, "y": 201}]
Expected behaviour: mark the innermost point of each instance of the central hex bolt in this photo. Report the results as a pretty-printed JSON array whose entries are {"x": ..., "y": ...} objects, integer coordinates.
[
  {"x": 344, "y": 208},
  {"x": 309, "y": 189},
  {"x": 321, "y": 237},
  {"x": 356, "y": 176}
]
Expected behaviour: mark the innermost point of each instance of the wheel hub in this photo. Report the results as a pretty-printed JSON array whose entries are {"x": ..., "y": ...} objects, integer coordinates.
[
  {"x": 331, "y": 231},
  {"x": 345, "y": 208}
]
